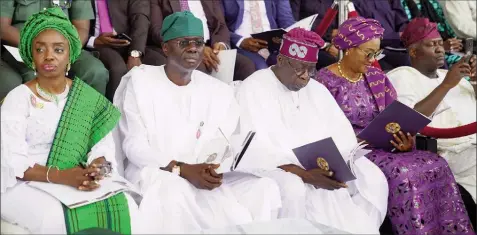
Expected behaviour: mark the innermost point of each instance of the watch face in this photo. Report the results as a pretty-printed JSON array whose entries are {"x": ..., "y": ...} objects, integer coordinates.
[{"x": 135, "y": 53}]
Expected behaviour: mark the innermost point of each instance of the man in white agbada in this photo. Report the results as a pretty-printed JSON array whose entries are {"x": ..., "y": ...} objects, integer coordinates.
[
  {"x": 443, "y": 95},
  {"x": 288, "y": 110},
  {"x": 169, "y": 113}
]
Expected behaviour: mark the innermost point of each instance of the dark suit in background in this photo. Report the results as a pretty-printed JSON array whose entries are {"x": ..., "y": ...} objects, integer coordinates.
[
  {"x": 393, "y": 18},
  {"x": 132, "y": 18},
  {"x": 304, "y": 8},
  {"x": 278, "y": 13},
  {"x": 216, "y": 26}
]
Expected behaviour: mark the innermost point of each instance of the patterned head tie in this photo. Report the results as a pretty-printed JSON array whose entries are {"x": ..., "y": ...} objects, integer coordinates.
[
  {"x": 419, "y": 29},
  {"x": 356, "y": 31},
  {"x": 51, "y": 18},
  {"x": 301, "y": 44}
]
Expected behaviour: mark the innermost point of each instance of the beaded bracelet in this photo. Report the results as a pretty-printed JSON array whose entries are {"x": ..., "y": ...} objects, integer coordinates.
[{"x": 48, "y": 172}]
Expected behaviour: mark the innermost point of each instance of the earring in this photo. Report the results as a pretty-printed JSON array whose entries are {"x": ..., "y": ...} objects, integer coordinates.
[
  {"x": 347, "y": 53},
  {"x": 68, "y": 67},
  {"x": 34, "y": 69}
]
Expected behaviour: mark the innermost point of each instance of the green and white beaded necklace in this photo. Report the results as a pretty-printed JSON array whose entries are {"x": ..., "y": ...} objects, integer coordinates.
[{"x": 50, "y": 96}]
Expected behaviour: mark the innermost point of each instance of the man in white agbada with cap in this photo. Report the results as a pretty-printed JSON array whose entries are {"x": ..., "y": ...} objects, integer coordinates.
[
  {"x": 288, "y": 110},
  {"x": 169, "y": 113},
  {"x": 440, "y": 94}
]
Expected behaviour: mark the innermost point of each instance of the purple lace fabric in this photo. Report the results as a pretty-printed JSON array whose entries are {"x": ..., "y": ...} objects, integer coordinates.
[{"x": 423, "y": 194}]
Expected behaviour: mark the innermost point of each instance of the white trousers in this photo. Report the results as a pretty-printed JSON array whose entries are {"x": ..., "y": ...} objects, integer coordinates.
[
  {"x": 358, "y": 209},
  {"x": 172, "y": 205},
  {"x": 41, "y": 213}
]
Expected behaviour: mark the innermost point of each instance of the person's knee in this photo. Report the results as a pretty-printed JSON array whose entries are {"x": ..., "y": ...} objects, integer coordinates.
[
  {"x": 92, "y": 71},
  {"x": 267, "y": 185},
  {"x": 244, "y": 67},
  {"x": 292, "y": 187},
  {"x": 260, "y": 64}
]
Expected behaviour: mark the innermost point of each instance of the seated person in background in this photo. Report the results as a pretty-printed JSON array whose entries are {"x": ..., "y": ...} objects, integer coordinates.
[
  {"x": 50, "y": 127},
  {"x": 288, "y": 110},
  {"x": 170, "y": 112},
  {"x": 362, "y": 92},
  {"x": 461, "y": 16},
  {"x": 216, "y": 34},
  {"x": 130, "y": 17},
  {"x": 432, "y": 10},
  {"x": 393, "y": 19},
  {"x": 245, "y": 17},
  {"x": 13, "y": 15},
  {"x": 304, "y": 8},
  {"x": 432, "y": 90}
]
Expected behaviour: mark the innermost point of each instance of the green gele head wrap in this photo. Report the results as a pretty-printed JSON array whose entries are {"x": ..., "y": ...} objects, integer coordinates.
[
  {"x": 51, "y": 18},
  {"x": 181, "y": 24}
]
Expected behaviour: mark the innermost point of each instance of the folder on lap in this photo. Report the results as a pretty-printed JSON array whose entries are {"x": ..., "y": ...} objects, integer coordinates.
[{"x": 394, "y": 118}]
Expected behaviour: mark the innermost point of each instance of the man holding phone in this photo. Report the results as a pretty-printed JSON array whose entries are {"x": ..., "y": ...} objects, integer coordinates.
[
  {"x": 119, "y": 34},
  {"x": 444, "y": 95}
]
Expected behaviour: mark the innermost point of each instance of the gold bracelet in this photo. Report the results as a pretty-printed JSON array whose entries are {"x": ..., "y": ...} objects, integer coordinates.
[{"x": 48, "y": 172}]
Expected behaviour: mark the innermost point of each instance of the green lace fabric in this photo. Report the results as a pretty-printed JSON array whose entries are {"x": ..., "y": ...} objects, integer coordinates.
[{"x": 86, "y": 119}]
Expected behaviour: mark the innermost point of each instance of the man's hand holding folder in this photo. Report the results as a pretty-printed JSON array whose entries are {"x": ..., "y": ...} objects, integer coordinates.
[
  {"x": 253, "y": 44},
  {"x": 316, "y": 177}
]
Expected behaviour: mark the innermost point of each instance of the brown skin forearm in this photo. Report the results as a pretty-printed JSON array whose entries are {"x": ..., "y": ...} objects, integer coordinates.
[
  {"x": 10, "y": 34},
  {"x": 38, "y": 173},
  {"x": 82, "y": 26},
  {"x": 428, "y": 105},
  {"x": 297, "y": 171}
]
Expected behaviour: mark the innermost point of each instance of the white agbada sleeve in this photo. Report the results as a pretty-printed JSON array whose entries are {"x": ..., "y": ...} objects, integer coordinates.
[
  {"x": 410, "y": 89},
  {"x": 136, "y": 145},
  {"x": 255, "y": 115},
  {"x": 104, "y": 148},
  {"x": 14, "y": 146},
  {"x": 337, "y": 124}
]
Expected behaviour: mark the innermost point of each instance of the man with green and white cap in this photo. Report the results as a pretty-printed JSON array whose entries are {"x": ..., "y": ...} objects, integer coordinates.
[{"x": 170, "y": 113}]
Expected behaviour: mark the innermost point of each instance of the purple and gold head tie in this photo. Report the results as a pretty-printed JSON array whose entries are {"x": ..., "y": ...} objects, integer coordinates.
[{"x": 356, "y": 31}]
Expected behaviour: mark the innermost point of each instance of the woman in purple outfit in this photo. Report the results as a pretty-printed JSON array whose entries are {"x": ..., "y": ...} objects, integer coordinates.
[{"x": 423, "y": 194}]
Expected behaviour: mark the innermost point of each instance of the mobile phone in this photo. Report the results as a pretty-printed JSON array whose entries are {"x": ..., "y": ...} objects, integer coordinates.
[{"x": 123, "y": 36}]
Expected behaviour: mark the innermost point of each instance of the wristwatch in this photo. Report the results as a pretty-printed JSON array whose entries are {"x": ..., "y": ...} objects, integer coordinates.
[
  {"x": 176, "y": 169},
  {"x": 135, "y": 53}
]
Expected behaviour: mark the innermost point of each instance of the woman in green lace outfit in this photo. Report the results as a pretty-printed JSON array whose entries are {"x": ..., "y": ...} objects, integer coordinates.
[
  {"x": 58, "y": 131},
  {"x": 432, "y": 10}
]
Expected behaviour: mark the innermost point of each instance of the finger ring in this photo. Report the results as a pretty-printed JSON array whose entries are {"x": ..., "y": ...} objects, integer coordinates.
[{"x": 401, "y": 145}]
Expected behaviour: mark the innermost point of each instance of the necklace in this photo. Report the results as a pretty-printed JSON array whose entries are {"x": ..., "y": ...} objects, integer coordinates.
[
  {"x": 347, "y": 78},
  {"x": 48, "y": 95}
]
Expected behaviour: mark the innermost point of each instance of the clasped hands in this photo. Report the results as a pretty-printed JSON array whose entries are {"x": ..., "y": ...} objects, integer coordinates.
[
  {"x": 85, "y": 178},
  {"x": 202, "y": 176}
]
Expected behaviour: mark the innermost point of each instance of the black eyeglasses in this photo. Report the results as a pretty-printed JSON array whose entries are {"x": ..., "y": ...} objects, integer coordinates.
[
  {"x": 185, "y": 43},
  {"x": 299, "y": 72},
  {"x": 371, "y": 55}
]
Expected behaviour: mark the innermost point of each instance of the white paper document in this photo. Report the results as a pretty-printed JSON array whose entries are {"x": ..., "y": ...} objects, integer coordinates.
[
  {"x": 226, "y": 68},
  {"x": 14, "y": 52},
  {"x": 225, "y": 152},
  {"x": 306, "y": 23},
  {"x": 73, "y": 198}
]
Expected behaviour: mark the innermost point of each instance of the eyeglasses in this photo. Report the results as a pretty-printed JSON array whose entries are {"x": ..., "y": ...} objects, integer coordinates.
[
  {"x": 299, "y": 72},
  {"x": 371, "y": 55},
  {"x": 185, "y": 43}
]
